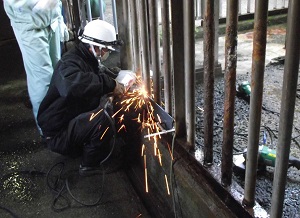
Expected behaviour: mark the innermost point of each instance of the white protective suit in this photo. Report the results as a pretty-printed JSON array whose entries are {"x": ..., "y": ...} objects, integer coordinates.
[{"x": 39, "y": 29}]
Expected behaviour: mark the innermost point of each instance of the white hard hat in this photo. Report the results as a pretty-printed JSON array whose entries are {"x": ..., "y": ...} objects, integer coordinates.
[{"x": 100, "y": 33}]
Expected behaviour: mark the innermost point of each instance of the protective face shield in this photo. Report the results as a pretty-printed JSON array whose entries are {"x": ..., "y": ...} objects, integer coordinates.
[{"x": 105, "y": 55}]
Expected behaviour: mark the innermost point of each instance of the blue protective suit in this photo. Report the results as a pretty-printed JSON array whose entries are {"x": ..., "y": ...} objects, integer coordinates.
[{"x": 37, "y": 25}]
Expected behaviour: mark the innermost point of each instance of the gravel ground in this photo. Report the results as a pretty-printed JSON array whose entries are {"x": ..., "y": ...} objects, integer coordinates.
[{"x": 271, "y": 101}]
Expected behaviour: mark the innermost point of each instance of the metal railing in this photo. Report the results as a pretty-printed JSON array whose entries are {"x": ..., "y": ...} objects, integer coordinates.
[{"x": 144, "y": 13}]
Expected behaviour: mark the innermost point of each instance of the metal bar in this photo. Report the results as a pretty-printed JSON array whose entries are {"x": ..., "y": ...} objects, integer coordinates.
[
  {"x": 248, "y": 6},
  {"x": 289, "y": 90},
  {"x": 178, "y": 66},
  {"x": 240, "y": 6},
  {"x": 220, "y": 9},
  {"x": 230, "y": 80},
  {"x": 209, "y": 71},
  {"x": 155, "y": 54},
  {"x": 216, "y": 20},
  {"x": 101, "y": 10},
  {"x": 257, "y": 78},
  {"x": 113, "y": 3},
  {"x": 143, "y": 27},
  {"x": 166, "y": 44},
  {"x": 88, "y": 10},
  {"x": 189, "y": 70},
  {"x": 198, "y": 9},
  {"x": 124, "y": 33},
  {"x": 135, "y": 37}
]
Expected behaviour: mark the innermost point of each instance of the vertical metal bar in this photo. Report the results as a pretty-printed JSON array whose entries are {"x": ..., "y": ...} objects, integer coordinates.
[
  {"x": 289, "y": 89},
  {"x": 113, "y": 3},
  {"x": 101, "y": 9},
  {"x": 240, "y": 6},
  {"x": 209, "y": 71},
  {"x": 124, "y": 33},
  {"x": 230, "y": 79},
  {"x": 248, "y": 6},
  {"x": 198, "y": 9},
  {"x": 257, "y": 78},
  {"x": 88, "y": 10},
  {"x": 155, "y": 54},
  {"x": 178, "y": 66},
  {"x": 220, "y": 8},
  {"x": 135, "y": 37},
  {"x": 202, "y": 8},
  {"x": 143, "y": 27},
  {"x": 216, "y": 20},
  {"x": 166, "y": 44},
  {"x": 76, "y": 13},
  {"x": 189, "y": 70}
]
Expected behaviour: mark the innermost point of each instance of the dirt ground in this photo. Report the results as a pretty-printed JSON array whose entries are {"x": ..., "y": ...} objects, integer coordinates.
[{"x": 269, "y": 121}]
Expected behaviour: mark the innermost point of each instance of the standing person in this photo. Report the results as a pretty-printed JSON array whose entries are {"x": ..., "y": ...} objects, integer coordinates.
[
  {"x": 39, "y": 28},
  {"x": 72, "y": 117}
]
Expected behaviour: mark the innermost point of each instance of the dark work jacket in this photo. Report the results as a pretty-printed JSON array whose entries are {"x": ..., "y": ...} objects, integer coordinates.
[{"x": 76, "y": 87}]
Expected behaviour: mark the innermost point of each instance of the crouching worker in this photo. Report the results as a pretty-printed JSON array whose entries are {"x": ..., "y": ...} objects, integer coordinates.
[{"x": 74, "y": 115}]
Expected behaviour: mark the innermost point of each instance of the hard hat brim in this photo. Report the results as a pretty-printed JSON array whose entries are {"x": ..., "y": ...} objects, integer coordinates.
[{"x": 96, "y": 44}]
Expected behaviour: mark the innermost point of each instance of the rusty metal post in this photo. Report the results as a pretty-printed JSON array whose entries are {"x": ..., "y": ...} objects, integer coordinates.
[
  {"x": 166, "y": 44},
  {"x": 257, "y": 79},
  {"x": 189, "y": 70},
  {"x": 230, "y": 80},
  {"x": 209, "y": 71},
  {"x": 289, "y": 90},
  {"x": 135, "y": 37},
  {"x": 143, "y": 27},
  {"x": 178, "y": 66},
  {"x": 124, "y": 34},
  {"x": 155, "y": 54}
]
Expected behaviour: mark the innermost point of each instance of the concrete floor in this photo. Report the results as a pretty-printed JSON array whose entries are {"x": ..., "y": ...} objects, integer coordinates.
[{"x": 25, "y": 161}]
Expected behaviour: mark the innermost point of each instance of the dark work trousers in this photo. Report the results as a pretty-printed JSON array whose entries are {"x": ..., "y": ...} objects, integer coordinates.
[{"x": 89, "y": 134}]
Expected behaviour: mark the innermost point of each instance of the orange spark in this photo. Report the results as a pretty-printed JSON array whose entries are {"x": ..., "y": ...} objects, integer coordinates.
[
  {"x": 143, "y": 149},
  {"x": 122, "y": 127},
  {"x": 116, "y": 112},
  {"x": 167, "y": 184},
  {"x": 170, "y": 151},
  {"x": 94, "y": 115},
  {"x": 104, "y": 133}
]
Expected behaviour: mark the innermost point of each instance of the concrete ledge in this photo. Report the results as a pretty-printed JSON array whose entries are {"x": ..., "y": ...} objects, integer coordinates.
[{"x": 195, "y": 189}]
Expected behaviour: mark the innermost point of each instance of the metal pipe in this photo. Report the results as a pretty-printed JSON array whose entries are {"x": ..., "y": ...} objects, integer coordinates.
[
  {"x": 209, "y": 71},
  {"x": 230, "y": 80},
  {"x": 124, "y": 33},
  {"x": 189, "y": 70},
  {"x": 289, "y": 90},
  {"x": 135, "y": 37},
  {"x": 155, "y": 54},
  {"x": 178, "y": 66},
  {"x": 248, "y": 6},
  {"x": 113, "y": 3},
  {"x": 216, "y": 20},
  {"x": 166, "y": 44},
  {"x": 88, "y": 10},
  {"x": 101, "y": 10},
  {"x": 143, "y": 27},
  {"x": 257, "y": 78}
]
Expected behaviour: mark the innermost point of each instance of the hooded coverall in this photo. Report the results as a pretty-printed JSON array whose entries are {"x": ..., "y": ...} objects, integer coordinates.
[{"x": 37, "y": 31}]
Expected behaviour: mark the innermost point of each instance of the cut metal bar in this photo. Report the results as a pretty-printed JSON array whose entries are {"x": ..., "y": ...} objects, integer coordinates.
[
  {"x": 289, "y": 90},
  {"x": 89, "y": 11},
  {"x": 135, "y": 37},
  {"x": 257, "y": 78},
  {"x": 178, "y": 66},
  {"x": 143, "y": 27},
  {"x": 101, "y": 10},
  {"x": 209, "y": 71},
  {"x": 124, "y": 33},
  {"x": 248, "y": 6},
  {"x": 189, "y": 70},
  {"x": 113, "y": 3},
  {"x": 166, "y": 44},
  {"x": 155, "y": 54},
  {"x": 230, "y": 80}
]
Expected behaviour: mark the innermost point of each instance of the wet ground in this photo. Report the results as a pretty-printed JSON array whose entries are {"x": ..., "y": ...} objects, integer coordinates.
[{"x": 273, "y": 79}]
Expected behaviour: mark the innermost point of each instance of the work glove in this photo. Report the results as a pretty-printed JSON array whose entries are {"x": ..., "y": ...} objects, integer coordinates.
[
  {"x": 63, "y": 30},
  {"x": 119, "y": 89},
  {"x": 127, "y": 78}
]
